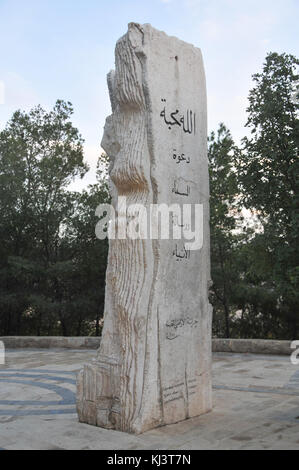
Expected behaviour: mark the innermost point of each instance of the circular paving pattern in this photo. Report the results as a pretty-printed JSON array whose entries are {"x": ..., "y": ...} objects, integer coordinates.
[{"x": 43, "y": 392}]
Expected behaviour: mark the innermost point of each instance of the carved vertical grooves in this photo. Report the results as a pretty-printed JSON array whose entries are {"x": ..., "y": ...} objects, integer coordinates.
[
  {"x": 125, "y": 387},
  {"x": 131, "y": 176}
]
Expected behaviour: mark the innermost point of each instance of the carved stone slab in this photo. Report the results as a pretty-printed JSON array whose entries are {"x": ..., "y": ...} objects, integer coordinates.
[{"x": 154, "y": 363}]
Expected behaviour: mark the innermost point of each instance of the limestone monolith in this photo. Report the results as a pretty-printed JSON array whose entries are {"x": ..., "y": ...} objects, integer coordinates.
[{"x": 154, "y": 363}]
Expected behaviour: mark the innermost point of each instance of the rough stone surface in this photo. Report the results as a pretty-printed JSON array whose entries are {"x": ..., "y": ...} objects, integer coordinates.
[
  {"x": 154, "y": 364},
  {"x": 255, "y": 406}
]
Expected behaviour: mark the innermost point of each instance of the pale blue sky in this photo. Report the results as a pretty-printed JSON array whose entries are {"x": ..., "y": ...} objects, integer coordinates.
[{"x": 64, "y": 48}]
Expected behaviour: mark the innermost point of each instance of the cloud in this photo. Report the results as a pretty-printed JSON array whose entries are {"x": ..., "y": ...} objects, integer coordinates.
[
  {"x": 211, "y": 30},
  {"x": 15, "y": 93},
  {"x": 91, "y": 155},
  {"x": 18, "y": 91},
  {"x": 2, "y": 92},
  {"x": 192, "y": 3}
]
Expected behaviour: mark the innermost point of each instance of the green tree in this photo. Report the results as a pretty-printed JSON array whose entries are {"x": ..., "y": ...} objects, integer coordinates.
[
  {"x": 89, "y": 257},
  {"x": 268, "y": 175},
  {"x": 222, "y": 154},
  {"x": 40, "y": 154}
]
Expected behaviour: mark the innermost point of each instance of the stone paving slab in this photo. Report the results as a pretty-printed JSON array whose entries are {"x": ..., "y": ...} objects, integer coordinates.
[{"x": 256, "y": 406}]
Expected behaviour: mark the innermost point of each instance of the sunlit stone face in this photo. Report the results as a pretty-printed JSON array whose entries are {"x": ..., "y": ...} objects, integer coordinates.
[{"x": 154, "y": 363}]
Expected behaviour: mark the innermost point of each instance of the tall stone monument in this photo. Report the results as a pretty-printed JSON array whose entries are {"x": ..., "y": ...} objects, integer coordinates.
[{"x": 154, "y": 363}]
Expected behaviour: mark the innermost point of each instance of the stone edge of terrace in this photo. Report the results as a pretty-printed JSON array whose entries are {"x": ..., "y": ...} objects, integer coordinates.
[{"x": 252, "y": 346}]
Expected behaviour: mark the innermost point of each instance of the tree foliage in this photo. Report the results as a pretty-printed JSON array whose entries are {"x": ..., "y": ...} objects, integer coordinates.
[
  {"x": 222, "y": 154},
  {"x": 268, "y": 173},
  {"x": 258, "y": 270},
  {"x": 51, "y": 265}
]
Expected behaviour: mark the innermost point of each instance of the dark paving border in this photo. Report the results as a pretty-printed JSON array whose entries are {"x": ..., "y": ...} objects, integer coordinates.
[
  {"x": 68, "y": 397},
  {"x": 39, "y": 371},
  {"x": 37, "y": 412},
  {"x": 9, "y": 374},
  {"x": 21, "y": 377}
]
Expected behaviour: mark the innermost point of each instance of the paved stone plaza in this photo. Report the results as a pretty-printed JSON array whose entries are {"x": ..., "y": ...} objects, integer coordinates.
[{"x": 256, "y": 406}]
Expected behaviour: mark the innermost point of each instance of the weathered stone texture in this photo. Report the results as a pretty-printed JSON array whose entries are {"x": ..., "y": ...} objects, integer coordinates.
[{"x": 154, "y": 363}]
